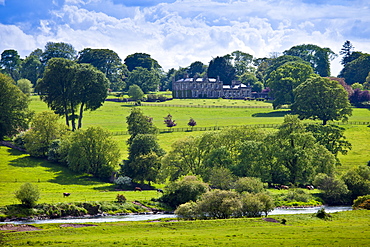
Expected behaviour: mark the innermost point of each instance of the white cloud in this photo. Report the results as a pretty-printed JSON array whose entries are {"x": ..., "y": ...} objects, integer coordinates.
[{"x": 177, "y": 33}]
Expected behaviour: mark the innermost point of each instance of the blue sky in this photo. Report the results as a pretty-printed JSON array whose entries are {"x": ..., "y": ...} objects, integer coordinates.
[{"x": 179, "y": 32}]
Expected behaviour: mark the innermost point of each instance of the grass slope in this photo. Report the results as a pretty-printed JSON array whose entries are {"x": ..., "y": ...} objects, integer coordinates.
[{"x": 345, "y": 229}]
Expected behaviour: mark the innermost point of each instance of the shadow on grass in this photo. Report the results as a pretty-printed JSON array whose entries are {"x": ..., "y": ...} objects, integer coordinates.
[
  {"x": 15, "y": 152},
  {"x": 272, "y": 114},
  {"x": 61, "y": 174}
]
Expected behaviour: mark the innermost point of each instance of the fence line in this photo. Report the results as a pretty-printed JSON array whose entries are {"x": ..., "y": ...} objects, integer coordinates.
[
  {"x": 199, "y": 106},
  {"x": 213, "y": 128}
]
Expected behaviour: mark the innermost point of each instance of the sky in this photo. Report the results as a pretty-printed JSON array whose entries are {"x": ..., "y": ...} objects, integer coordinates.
[{"x": 179, "y": 32}]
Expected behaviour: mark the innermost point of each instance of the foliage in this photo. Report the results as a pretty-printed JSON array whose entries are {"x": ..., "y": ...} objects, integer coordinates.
[
  {"x": 358, "y": 181},
  {"x": 142, "y": 60},
  {"x": 360, "y": 201},
  {"x": 335, "y": 191},
  {"x": 147, "y": 80},
  {"x": 138, "y": 123},
  {"x": 123, "y": 181},
  {"x": 357, "y": 70},
  {"x": 298, "y": 195},
  {"x": 121, "y": 198},
  {"x": 45, "y": 128},
  {"x": 249, "y": 184},
  {"x": 93, "y": 151},
  {"x": 144, "y": 158},
  {"x": 11, "y": 63},
  {"x": 318, "y": 57},
  {"x": 58, "y": 50},
  {"x": 196, "y": 69},
  {"x": 285, "y": 79},
  {"x": 218, "y": 204},
  {"x": 108, "y": 62},
  {"x": 221, "y": 67},
  {"x": 32, "y": 68},
  {"x": 192, "y": 123},
  {"x": 169, "y": 122},
  {"x": 135, "y": 92},
  {"x": 346, "y": 51},
  {"x": 14, "y": 112},
  {"x": 28, "y": 194},
  {"x": 321, "y": 214},
  {"x": 25, "y": 86},
  {"x": 187, "y": 210},
  {"x": 188, "y": 188},
  {"x": 321, "y": 98},
  {"x": 359, "y": 96},
  {"x": 221, "y": 178}
]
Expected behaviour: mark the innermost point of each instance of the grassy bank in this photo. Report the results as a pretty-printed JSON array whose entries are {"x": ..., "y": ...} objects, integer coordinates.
[{"x": 344, "y": 229}]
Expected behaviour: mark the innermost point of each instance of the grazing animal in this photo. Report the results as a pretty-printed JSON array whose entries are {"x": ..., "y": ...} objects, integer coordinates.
[
  {"x": 160, "y": 191},
  {"x": 137, "y": 189},
  {"x": 66, "y": 194},
  {"x": 284, "y": 187},
  {"x": 310, "y": 187}
]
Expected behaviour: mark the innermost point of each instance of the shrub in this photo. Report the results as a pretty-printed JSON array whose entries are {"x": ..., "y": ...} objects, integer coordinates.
[
  {"x": 28, "y": 194},
  {"x": 187, "y": 210},
  {"x": 335, "y": 190},
  {"x": 249, "y": 184},
  {"x": 221, "y": 178},
  {"x": 322, "y": 214},
  {"x": 251, "y": 205},
  {"x": 361, "y": 200},
  {"x": 220, "y": 204},
  {"x": 123, "y": 181},
  {"x": 121, "y": 198},
  {"x": 268, "y": 203},
  {"x": 358, "y": 181},
  {"x": 19, "y": 141},
  {"x": 189, "y": 188},
  {"x": 298, "y": 195}
]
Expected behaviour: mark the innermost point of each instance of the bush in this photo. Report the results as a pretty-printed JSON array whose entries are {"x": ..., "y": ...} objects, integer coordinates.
[
  {"x": 298, "y": 195},
  {"x": 251, "y": 205},
  {"x": 221, "y": 178},
  {"x": 28, "y": 194},
  {"x": 187, "y": 210},
  {"x": 322, "y": 214},
  {"x": 219, "y": 204},
  {"x": 358, "y": 181},
  {"x": 335, "y": 190},
  {"x": 121, "y": 198},
  {"x": 249, "y": 184},
  {"x": 19, "y": 141},
  {"x": 123, "y": 181},
  {"x": 361, "y": 200},
  {"x": 189, "y": 188}
]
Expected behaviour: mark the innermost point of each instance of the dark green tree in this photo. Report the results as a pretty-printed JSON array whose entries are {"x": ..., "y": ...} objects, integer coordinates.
[
  {"x": 357, "y": 70},
  {"x": 318, "y": 57},
  {"x": 196, "y": 68},
  {"x": 58, "y": 50},
  {"x": 346, "y": 51},
  {"x": 32, "y": 69},
  {"x": 14, "y": 112},
  {"x": 135, "y": 92},
  {"x": 11, "y": 63},
  {"x": 222, "y": 68},
  {"x": 321, "y": 98},
  {"x": 28, "y": 194},
  {"x": 142, "y": 60},
  {"x": 108, "y": 62}
]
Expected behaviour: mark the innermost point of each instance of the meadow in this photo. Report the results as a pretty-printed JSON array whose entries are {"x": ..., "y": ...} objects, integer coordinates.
[{"x": 351, "y": 228}]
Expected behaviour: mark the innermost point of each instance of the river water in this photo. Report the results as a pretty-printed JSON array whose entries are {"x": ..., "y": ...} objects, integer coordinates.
[{"x": 142, "y": 217}]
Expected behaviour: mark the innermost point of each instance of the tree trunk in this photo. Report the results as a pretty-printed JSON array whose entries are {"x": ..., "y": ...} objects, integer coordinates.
[{"x": 80, "y": 116}]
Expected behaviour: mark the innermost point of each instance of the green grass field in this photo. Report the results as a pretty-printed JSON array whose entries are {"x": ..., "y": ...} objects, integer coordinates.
[{"x": 351, "y": 228}]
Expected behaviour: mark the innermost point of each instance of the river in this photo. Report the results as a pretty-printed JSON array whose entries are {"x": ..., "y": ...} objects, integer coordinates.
[{"x": 143, "y": 217}]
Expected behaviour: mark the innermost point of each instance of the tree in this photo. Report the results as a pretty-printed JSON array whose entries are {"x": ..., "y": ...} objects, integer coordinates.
[
  {"x": 318, "y": 57},
  {"x": 92, "y": 89},
  {"x": 192, "y": 123},
  {"x": 188, "y": 188},
  {"x": 28, "y": 194},
  {"x": 169, "y": 122},
  {"x": 248, "y": 78},
  {"x": 222, "y": 68},
  {"x": 45, "y": 128},
  {"x": 321, "y": 98},
  {"x": 138, "y": 123},
  {"x": 135, "y": 92},
  {"x": 58, "y": 50},
  {"x": 57, "y": 88},
  {"x": 242, "y": 62},
  {"x": 108, "y": 62},
  {"x": 332, "y": 137},
  {"x": 142, "y": 60},
  {"x": 196, "y": 68},
  {"x": 67, "y": 85},
  {"x": 93, "y": 151},
  {"x": 285, "y": 79},
  {"x": 358, "y": 181},
  {"x": 11, "y": 63},
  {"x": 147, "y": 80},
  {"x": 346, "y": 51},
  {"x": 359, "y": 97},
  {"x": 14, "y": 112},
  {"x": 356, "y": 70},
  {"x": 32, "y": 69},
  {"x": 249, "y": 184},
  {"x": 25, "y": 86},
  {"x": 297, "y": 153},
  {"x": 335, "y": 190}
]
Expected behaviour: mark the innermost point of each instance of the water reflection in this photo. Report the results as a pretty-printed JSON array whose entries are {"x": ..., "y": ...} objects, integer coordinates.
[{"x": 328, "y": 209}]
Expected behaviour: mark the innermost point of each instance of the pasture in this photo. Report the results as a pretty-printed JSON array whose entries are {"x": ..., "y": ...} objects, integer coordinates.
[{"x": 351, "y": 228}]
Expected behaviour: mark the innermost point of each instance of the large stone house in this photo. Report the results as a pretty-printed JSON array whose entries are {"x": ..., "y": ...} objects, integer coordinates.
[{"x": 209, "y": 88}]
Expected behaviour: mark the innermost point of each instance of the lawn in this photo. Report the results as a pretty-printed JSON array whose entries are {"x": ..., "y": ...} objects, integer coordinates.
[{"x": 351, "y": 228}]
